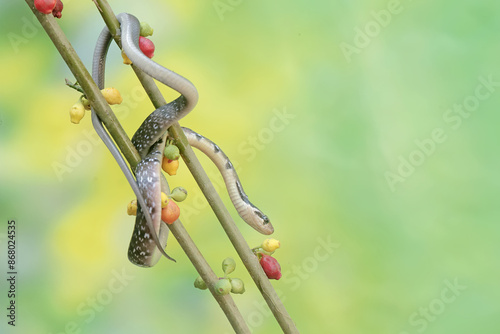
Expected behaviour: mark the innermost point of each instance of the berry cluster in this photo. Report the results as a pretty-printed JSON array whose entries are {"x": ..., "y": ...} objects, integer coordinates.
[
  {"x": 170, "y": 211},
  {"x": 146, "y": 45},
  {"x": 269, "y": 264},
  {"x": 170, "y": 162},
  {"x": 77, "y": 111},
  {"x": 225, "y": 284}
]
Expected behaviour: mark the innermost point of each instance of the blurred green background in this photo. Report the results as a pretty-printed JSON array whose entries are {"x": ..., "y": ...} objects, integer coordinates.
[{"x": 344, "y": 119}]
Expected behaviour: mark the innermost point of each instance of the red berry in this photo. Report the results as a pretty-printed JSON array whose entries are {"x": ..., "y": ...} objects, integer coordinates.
[
  {"x": 45, "y": 6},
  {"x": 271, "y": 267},
  {"x": 58, "y": 9},
  {"x": 147, "y": 47}
]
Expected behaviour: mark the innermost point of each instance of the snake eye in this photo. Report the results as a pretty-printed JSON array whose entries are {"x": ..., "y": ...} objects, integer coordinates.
[{"x": 263, "y": 217}]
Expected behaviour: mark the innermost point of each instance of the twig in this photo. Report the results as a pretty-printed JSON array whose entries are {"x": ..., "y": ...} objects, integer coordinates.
[{"x": 75, "y": 86}]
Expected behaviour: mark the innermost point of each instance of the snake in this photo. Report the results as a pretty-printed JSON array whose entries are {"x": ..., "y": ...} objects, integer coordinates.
[{"x": 149, "y": 237}]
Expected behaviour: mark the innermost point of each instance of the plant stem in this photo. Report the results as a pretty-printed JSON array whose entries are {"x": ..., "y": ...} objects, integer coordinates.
[
  {"x": 248, "y": 258},
  {"x": 75, "y": 86}
]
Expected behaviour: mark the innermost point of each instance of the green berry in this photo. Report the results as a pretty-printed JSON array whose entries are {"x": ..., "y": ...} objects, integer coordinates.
[
  {"x": 237, "y": 286},
  {"x": 146, "y": 30},
  {"x": 199, "y": 283},
  {"x": 171, "y": 152},
  {"x": 228, "y": 265},
  {"x": 222, "y": 287},
  {"x": 179, "y": 194}
]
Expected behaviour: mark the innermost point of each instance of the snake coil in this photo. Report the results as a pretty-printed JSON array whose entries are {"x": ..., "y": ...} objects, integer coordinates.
[{"x": 150, "y": 235}]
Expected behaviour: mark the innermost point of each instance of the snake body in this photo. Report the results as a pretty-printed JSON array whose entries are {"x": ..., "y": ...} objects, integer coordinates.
[
  {"x": 150, "y": 235},
  {"x": 247, "y": 211}
]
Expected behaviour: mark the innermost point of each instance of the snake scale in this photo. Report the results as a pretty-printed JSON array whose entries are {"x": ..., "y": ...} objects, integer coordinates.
[{"x": 149, "y": 237}]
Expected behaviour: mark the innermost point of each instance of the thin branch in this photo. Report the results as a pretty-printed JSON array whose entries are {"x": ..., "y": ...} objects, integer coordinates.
[
  {"x": 248, "y": 258},
  {"x": 75, "y": 86}
]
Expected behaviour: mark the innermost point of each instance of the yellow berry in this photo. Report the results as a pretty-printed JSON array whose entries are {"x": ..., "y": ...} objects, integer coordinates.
[
  {"x": 126, "y": 60},
  {"x": 170, "y": 166},
  {"x": 77, "y": 112},
  {"x": 132, "y": 208},
  {"x": 112, "y": 95},
  {"x": 270, "y": 245},
  {"x": 164, "y": 200}
]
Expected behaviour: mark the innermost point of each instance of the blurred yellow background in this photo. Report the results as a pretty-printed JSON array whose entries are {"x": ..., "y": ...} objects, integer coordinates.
[{"x": 367, "y": 131}]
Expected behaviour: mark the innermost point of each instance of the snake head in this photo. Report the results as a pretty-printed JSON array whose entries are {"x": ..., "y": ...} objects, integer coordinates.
[{"x": 259, "y": 221}]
